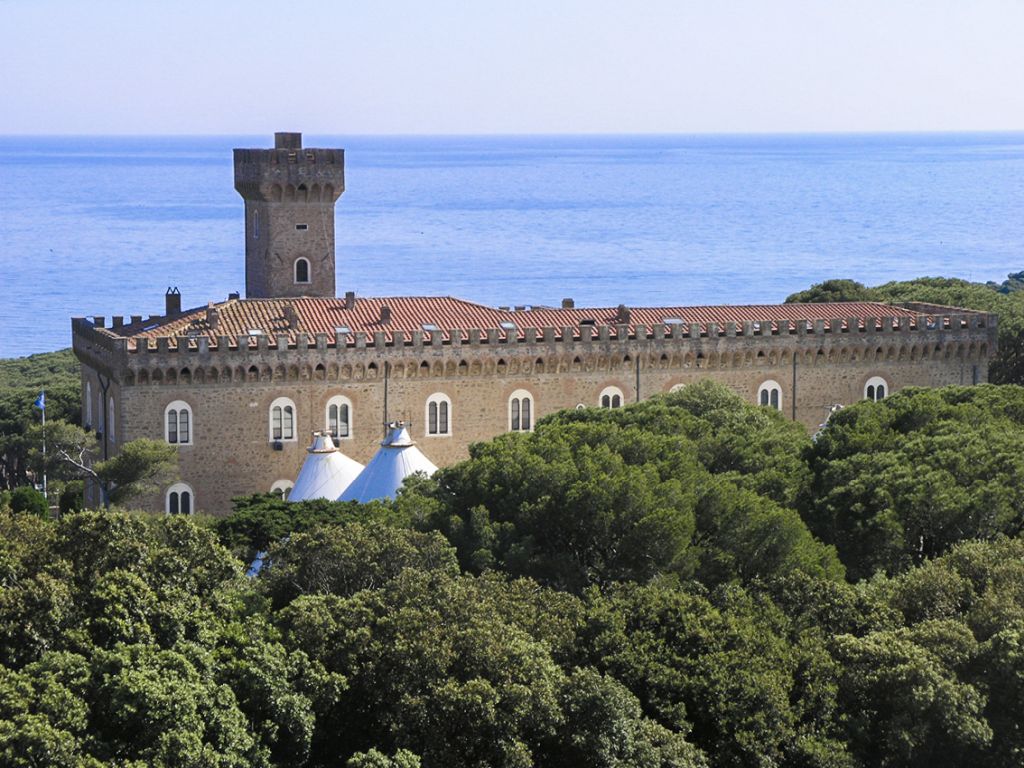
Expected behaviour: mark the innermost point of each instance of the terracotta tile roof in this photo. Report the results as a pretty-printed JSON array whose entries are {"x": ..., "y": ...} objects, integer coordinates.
[{"x": 442, "y": 314}]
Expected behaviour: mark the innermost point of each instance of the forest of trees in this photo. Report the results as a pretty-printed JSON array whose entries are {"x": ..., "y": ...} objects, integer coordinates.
[{"x": 690, "y": 581}]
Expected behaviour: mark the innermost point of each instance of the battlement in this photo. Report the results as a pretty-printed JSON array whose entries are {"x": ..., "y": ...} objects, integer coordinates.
[
  {"x": 289, "y": 172},
  {"x": 896, "y": 329}
]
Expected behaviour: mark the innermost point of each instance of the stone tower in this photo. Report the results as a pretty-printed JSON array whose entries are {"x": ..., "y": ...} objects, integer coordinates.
[{"x": 289, "y": 197}]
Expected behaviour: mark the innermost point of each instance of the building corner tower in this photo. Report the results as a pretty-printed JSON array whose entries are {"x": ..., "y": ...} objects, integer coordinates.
[{"x": 289, "y": 195}]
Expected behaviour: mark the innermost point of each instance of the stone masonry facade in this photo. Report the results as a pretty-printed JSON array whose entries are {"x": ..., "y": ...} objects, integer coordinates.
[
  {"x": 239, "y": 386},
  {"x": 230, "y": 388}
]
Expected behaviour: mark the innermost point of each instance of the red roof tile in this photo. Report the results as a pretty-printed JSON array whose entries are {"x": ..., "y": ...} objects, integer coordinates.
[{"x": 327, "y": 315}]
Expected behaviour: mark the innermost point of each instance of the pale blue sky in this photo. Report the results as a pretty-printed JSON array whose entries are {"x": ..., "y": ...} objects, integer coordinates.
[{"x": 526, "y": 66}]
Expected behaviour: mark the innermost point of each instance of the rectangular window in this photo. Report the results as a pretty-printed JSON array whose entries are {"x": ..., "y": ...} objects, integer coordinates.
[
  {"x": 288, "y": 428},
  {"x": 526, "y": 414},
  {"x": 183, "y": 426},
  {"x": 432, "y": 419},
  {"x": 343, "y": 425},
  {"x": 275, "y": 423},
  {"x": 443, "y": 420},
  {"x": 515, "y": 414},
  {"x": 302, "y": 227},
  {"x": 172, "y": 426}
]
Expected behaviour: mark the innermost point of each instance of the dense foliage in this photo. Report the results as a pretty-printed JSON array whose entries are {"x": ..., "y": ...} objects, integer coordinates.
[{"x": 686, "y": 582}]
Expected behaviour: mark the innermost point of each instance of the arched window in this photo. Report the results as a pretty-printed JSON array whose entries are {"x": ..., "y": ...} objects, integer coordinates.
[
  {"x": 770, "y": 394},
  {"x": 282, "y": 488},
  {"x": 876, "y": 388},
  {"x": 180, "y": 500},
  {"x": 611, "y": 397},
  {"x": 88, "y": 405},
  {"x": 301, "y": 270},
  {"x": 178, "y": 423},
  {"x": 110, "y": 420},
  {"x": 338, "y": 418},
  {"x": 439, "y": 411},
  {"x": 282, "y": 420},
  {"x": 520, "y": 411}
]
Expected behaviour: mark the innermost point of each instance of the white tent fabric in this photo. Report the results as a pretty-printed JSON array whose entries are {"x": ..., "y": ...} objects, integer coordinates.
[
  {"x": 396, "y": 459},
  {"x": 325, "y": 473}
]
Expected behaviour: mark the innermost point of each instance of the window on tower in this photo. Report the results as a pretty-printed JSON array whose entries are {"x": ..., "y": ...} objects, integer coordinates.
[{"x": 301, "y": 270}]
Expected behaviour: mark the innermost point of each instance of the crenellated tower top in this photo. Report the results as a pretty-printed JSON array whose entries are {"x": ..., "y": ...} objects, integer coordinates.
[{"x": 289, "y": 194}]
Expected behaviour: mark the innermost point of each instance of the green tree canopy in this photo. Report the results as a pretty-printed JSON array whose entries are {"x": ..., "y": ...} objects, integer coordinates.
[{"x": 901, "y": 480}]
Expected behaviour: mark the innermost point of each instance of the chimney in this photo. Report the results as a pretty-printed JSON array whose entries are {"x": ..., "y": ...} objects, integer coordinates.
[
  {"x": 118, "y": 321},
  {"x": 234, "y": 296},
  {"x": 385, "y": 314},
  {"x": 212, "y": 316},
  {"x": 284, "y": 140},
  {"x": 350, "y": 299},
  {"x": 172, "y": 302},
  {"x": 568, "y": 304},
  {"x": 622, "y": 314},
  {"x": 291, "y": 317}
]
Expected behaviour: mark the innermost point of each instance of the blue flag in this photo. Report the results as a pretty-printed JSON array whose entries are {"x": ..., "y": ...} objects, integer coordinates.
[{"x": 40, "y": 402}]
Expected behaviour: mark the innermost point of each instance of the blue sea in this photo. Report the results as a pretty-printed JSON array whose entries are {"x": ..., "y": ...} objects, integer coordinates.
[{"x": 104, "y": 225}]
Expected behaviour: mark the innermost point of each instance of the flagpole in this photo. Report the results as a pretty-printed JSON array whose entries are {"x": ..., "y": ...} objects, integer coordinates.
[{"x": 43, "y": 409}]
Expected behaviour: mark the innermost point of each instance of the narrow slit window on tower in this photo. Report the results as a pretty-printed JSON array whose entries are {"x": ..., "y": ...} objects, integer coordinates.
[
  {"x": 256, "y": 225},
  {"x": 302, "y": 227}
]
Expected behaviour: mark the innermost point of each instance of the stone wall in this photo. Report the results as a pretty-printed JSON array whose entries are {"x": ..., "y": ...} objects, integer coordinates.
[{"x": 230, "y": 387}]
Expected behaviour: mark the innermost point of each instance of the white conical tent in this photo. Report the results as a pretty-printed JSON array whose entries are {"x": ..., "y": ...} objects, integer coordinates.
[
  {"x": 325, "y": 473},
  {"x": 396, "y": 459}
]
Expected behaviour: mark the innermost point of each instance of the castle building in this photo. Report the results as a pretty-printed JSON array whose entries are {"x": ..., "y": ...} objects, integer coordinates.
[{"x": 239, "y": 385}]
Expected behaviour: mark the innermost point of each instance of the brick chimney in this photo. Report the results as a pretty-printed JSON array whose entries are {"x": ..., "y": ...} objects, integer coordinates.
[
  {"x": 350, "y": 299},
  {"x": 291, "y": 317},
  {"x": 212, "y": 316},
  {"x": 172, "y": 302},
  {"x": 385, "y": 314}
]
